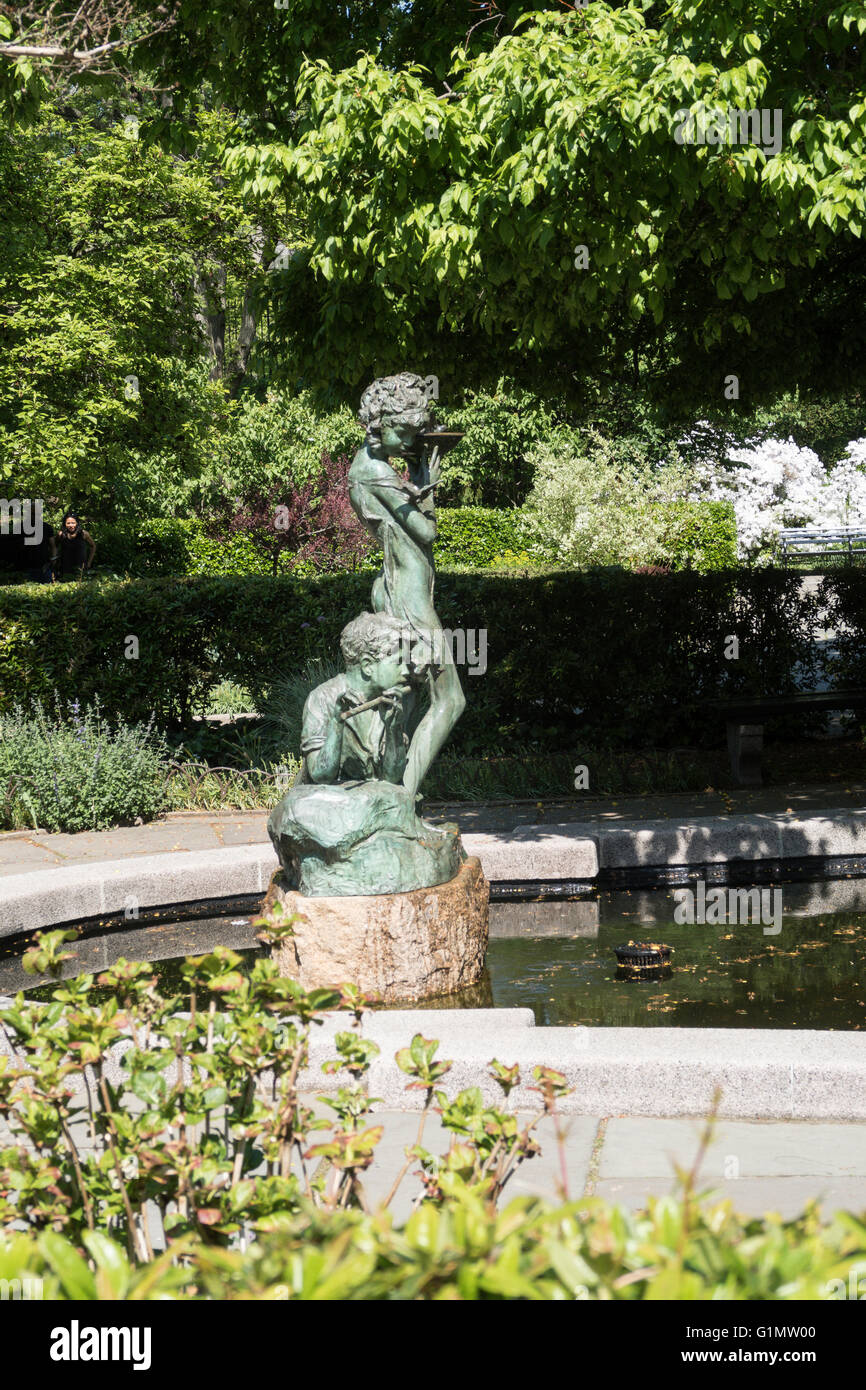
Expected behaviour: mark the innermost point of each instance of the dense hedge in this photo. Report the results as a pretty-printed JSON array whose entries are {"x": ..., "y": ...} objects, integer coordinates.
[
  {"x": 468, "y": 537},
  {"x": 701, "y": 535},
  {"x": 611, "y": 656},
  {"x": 165, "y": 547},
  {"x": 846, "y": 593}
]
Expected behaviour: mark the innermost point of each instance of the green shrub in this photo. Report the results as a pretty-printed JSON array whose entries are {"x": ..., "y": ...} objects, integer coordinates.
[
  {"x": 73, "y": 771},
  {"x": 476, "y": 537},
  {"x": 284, "y": 707},
  {"x": 606, "y": 657},
  {"x": 501, "y": 427},
  {"x": 172, "y": 546},
  {"x": 699, "y": 535},
  {"x": 462, "y": 1250},
  {"x": 844, "y": 593},
  {"x": 594, "y": 504},
  {"x": 244, "y": 1203},
  {"x": 186, "y": 1148},
  {"x": 229, "y": 698},
  {"x": 469, "y": 537},
  {"x": 273, "y": 442}
]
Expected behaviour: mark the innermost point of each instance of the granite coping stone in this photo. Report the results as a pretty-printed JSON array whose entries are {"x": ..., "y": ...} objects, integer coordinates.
[
  {"x": 766, "y": 1074},
  {"x": 48, "y": 896},
  {"x": 573, "y": 851},
  {"x": 537, "y": 852},
  {"x": 772, "y": 1074}
]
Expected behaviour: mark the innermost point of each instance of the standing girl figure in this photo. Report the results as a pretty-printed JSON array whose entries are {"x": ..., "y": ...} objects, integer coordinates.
[{"x": 401, "y": 516}]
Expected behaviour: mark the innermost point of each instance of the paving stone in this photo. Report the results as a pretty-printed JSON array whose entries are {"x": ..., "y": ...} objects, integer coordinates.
[
  {"x": 537, "y": 1177},
  {"x": 161, "y": 837},
  {"x": 650, "y": 1147},
  {"x": 251, "y": 830},
  {"x": 18, "y": 855},
  {"x": 541, "y": 1176}
]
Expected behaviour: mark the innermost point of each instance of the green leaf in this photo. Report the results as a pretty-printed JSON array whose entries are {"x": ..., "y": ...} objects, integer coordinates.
[
  {"x": 113, "y": 1271},
  {"x": 71, "y": 1269}
]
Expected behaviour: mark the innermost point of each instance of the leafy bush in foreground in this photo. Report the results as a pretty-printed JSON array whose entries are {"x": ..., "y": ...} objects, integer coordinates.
[
  {"x": 73, "y": 770},
  {"x": 464, "y": 1249},
  {"x": 208, "y": 1128}
]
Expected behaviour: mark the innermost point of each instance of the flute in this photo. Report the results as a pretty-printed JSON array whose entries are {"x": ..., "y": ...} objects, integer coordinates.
[{"x": 371, "y": 704}]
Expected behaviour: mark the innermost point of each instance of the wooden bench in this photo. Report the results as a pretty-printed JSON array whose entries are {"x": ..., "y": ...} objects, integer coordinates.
[
  {"x": 745, "y": 718},
  {"x": 846, "y": 541}
]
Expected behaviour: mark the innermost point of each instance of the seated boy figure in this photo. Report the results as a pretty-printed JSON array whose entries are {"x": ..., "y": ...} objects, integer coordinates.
[
  {"x": 348, "y": 825},
  {"x": 353, "y": 725}
]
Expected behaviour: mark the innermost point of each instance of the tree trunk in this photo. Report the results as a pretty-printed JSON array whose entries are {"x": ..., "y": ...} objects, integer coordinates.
[
  {"x": 263, "y": 252},
  {"x": 211, "y": 318}
]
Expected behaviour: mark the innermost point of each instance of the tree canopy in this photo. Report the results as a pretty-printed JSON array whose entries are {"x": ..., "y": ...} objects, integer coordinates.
[
  {"x": 447, "y": 223},
  {"x": 113, "y": 260},
  {"x": 649, "y": 198}
]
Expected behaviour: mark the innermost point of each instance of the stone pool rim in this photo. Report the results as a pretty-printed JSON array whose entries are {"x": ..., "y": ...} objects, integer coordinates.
[
  {"x": 763, "y": 1073},
  {"x": 576, "y": 858}
]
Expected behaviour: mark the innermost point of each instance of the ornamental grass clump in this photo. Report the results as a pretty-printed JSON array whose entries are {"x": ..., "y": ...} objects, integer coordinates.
[{"x": 71, "y": 769}]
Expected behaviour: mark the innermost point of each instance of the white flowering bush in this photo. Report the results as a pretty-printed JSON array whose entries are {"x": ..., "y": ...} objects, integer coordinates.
[
  {"x": 588, "y": 508},
  {"x": 774, "y": 483},
  {"x": 846, "y": 486}
]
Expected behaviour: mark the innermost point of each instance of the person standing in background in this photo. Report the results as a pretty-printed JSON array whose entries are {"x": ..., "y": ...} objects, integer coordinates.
[{"x": 73, "y": 541}]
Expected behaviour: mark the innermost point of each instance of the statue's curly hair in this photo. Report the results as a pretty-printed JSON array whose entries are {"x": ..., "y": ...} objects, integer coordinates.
[
  {"x": 371, "y": 636},
  {"x": 401, "y": 399}
]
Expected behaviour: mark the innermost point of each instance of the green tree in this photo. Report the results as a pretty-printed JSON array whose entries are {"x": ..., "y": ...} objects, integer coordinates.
[
  {"x": 115, "y": 262},
  {"x": 249, "y": 57},
  {"x": 448, "y": 224}
]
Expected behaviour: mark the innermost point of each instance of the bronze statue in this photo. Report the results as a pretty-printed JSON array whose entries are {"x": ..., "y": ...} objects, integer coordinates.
[{"x": 348, "y": 825}]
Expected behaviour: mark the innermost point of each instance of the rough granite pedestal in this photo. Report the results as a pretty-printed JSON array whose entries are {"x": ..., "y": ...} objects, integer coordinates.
[{"x": 401, "y": 946}]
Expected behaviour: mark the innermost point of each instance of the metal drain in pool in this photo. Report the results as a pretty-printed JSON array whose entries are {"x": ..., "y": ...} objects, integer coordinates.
[{"x": 643, "y": 960}]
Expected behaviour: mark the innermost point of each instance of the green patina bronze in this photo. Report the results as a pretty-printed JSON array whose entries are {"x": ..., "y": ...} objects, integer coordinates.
[{"x": 369, "y": 736}]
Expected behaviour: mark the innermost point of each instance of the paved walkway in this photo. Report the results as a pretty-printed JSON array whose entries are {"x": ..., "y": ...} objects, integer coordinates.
[
  {"x": 761, "y": 1166},
  {"x": 185, "y": 831}
]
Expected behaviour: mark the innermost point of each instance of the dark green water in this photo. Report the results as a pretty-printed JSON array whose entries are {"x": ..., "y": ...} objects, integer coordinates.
[
  {"x": 813, "y": 975},
  {"x": 558, "y": 959}
]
